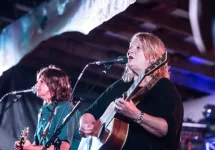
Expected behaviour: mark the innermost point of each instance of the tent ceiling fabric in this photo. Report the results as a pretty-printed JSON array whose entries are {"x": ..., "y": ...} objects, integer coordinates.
[{"x": 53, "y": 18}]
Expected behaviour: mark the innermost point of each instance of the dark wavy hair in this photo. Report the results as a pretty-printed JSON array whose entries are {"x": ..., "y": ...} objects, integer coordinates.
[{"x": 57, "y": 81}]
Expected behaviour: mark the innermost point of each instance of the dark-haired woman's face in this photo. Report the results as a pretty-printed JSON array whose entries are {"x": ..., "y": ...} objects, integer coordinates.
[{"x": 42, "y": 90}]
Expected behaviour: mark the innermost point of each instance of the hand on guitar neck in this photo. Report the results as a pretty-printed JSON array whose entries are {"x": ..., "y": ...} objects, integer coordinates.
[
  {"x": 23, "y": 143},
  {"x": 25, "y": 146}
]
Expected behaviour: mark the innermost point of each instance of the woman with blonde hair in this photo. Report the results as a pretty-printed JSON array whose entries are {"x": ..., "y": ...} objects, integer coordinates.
[{"x": 155, "y": 112}]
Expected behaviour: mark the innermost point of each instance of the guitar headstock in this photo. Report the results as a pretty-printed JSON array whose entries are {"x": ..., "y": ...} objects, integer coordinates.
[
  {"x": 24, "y": 135},
  {"x": 159, "y": 62}
]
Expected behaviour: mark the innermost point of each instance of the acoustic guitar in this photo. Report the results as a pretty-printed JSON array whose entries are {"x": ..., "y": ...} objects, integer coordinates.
[{"x": 109, "y": 132}]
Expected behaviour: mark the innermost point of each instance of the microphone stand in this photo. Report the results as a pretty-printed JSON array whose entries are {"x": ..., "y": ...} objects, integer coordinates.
[
  {"x": 33, "y": 89},
  {"x": 5, "y": 96},
  {"x": 5, "y": 109},
  {"x": 54, "y": 139}
]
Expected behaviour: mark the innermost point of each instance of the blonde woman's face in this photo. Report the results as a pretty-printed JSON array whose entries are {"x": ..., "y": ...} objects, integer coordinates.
[{"x": 136, "y": 58}]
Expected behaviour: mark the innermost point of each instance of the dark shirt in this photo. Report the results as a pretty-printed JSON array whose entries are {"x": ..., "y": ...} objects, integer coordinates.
[
  {"x": 162, "y": 101},
  {"x": 68, "y": 132}
]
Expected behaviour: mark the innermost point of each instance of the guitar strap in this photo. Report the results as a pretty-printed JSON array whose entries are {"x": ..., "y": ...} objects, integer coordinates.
[
  {"x": 141, "y": 92},
  {"x": 45, "y": 131}
]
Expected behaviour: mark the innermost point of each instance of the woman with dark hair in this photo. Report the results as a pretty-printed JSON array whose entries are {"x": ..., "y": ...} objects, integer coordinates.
[{"x": 53, "y": 87}]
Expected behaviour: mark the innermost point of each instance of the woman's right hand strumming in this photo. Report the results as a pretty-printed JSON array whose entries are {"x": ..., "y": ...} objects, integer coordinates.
[
  {"x": 86, "y": 125},
  {"x": 85, "y": 130}
]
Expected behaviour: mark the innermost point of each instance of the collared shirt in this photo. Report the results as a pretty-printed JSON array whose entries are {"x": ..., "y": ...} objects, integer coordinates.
[{"x": 67, "y": 131}]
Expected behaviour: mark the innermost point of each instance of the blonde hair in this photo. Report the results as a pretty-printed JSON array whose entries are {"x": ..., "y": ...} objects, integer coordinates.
[{"x": 153, "y": 48}]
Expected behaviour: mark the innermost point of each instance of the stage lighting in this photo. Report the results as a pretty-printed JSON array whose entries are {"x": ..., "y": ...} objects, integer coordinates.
[{"x": 209, "y": 112}]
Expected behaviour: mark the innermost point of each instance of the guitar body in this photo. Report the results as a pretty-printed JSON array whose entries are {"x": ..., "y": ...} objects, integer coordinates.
[
  {"x": 117, "y": 137},
  {"x": 106, "y": 136}
]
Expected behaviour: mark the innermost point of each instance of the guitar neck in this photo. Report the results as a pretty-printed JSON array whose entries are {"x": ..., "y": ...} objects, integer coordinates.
[
  {"x": 24, "y": 135},
  {"x": 127, "y": 95},
  {"x": 156, "y": 65}
]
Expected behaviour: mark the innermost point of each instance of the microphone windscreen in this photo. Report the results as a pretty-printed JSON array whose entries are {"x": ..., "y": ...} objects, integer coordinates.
[
  {"x": 34, "y": 89},
  {"x": 123, "y": 59}
]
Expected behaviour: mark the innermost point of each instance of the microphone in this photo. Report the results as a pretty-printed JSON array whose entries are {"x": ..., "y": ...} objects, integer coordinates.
[
  {"x": 120, "y": 60},
  {"x": 33, "y": 90}
]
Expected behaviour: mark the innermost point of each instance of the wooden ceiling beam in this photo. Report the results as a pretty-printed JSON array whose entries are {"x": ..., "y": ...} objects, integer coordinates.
[
  {"x": 79, "y": 49},
  {"x": 180, "y": 4},
  {"x": 171, "y": 42},
  {"x": 98, "y": 39},
  {"x": 74, "y": 60},
  {"x": 137, "y": 12},
  {"x": 162, "y": 9},
  {"x": 88, "y": 77}
]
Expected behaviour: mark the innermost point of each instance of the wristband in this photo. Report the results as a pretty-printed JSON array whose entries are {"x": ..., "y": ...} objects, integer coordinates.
[{"x": 139, "y": 120}]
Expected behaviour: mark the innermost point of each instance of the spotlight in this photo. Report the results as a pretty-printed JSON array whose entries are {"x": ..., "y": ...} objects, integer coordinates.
[{"x": 209, "y": 112}]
